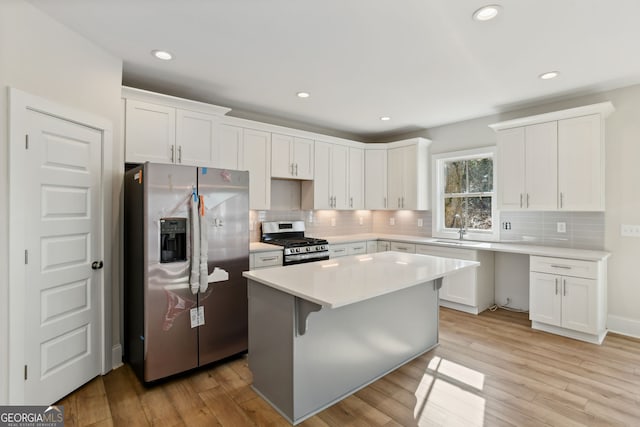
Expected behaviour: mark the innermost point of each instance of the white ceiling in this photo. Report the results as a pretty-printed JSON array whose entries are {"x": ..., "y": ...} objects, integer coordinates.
[{"x": 422, "y": 62}]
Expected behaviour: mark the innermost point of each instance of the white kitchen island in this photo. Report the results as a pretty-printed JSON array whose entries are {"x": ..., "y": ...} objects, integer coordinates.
[{"x": 320, "y": 331}]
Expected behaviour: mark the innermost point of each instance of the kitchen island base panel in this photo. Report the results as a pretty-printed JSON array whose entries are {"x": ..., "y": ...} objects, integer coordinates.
[{"x": 305, "y": 357}]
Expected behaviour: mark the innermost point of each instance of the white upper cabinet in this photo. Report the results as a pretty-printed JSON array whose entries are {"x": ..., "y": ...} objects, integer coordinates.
[
  {"x": 553, "y": 161},
  {"x": 581, "y": 164},
  {"x": 150, "y": 132},
  {"x": 407, "y": 174},
  {"x": 291, "y": 157},
  {"x": 356, "y": 178},
  {"x": 375, "y": 181},
  {"x": 166, "y": 129},
  {"x": 523, "y": 183},
  {"x": 338, "y": 178},
  {"x": 228, "y": 147},
  {"x": 256, "y": 158}
]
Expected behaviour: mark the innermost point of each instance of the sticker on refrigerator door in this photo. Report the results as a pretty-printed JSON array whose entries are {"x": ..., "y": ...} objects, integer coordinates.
[
  {"x": 197, "y": 316},
  {"x": 218, "y": 275}
]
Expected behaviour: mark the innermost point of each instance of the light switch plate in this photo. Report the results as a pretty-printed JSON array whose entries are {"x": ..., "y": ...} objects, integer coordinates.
[
  {"x": 420, "y": 223},
  {"x": 392, "y": 221},
  {"x": 629, "y": 230},
  {"x": 333, "y": 222},
  {"x": 561, "y": 227}
]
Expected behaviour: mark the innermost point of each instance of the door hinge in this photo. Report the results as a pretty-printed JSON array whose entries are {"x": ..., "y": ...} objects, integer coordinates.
[
  {"x": 25, "y": 372},
  {"x": 26, "y": 142},
  {"x": 26, "y": 256}
]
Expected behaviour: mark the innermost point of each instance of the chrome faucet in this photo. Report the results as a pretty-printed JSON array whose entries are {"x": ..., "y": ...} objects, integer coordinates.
[{"x": 462, "y": 231}]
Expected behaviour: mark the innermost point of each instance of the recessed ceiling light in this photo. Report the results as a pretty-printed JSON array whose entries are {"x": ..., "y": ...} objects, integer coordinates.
[
  {"x": 487, "y": 13},
  {"x": 385, "y": 118},
  {"x": 162, "y": 54},
  {"x": 549, "y": 75},
  {"x": 303, "y": 94}
]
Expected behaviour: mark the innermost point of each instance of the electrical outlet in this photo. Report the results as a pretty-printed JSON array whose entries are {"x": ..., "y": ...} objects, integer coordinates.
[
  {"x": 392, "y": 221},
  {"x": 333, "y": 222},
  {"x": 506, "y": 225},
  {"x": 561, "y": 227},
  {"x": 629, "y": 230},
  {"x": 361, "y": 220},
  {"x": 419, "y": 222}
]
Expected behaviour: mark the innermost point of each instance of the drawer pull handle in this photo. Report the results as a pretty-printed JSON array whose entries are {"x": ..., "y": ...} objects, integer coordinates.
[
  {"x": 270, "y": 258},
  {"x": 566, "y": 267}
]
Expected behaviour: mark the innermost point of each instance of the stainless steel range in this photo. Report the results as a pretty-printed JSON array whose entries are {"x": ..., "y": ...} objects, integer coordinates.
[{"x": 298, "y": 249}]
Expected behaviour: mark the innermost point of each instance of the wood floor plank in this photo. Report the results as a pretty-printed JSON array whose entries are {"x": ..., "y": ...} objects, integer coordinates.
[{"x": 489, "y": 370}]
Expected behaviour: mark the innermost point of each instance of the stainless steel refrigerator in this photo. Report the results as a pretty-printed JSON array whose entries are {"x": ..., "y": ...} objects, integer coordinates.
[{"x": 186, "y": 244}]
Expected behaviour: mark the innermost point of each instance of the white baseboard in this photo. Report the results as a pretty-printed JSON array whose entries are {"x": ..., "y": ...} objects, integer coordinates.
[
  {"x": 623, "y": 326},
  {"x": 116, "y": 356}
]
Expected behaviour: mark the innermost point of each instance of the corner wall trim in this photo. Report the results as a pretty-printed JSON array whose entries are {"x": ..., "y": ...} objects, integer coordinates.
[
  {"x": 624, "y": 326},
  {"x": 116, "y": 356}
]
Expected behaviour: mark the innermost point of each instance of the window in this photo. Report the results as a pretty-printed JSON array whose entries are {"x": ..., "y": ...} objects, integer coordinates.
[{"x": 464, "y": 194}]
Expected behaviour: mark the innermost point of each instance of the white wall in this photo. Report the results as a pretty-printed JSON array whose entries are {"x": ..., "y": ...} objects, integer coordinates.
[
  {"x": 44, "y": 58},
  {"x": 622, "y": 187}
]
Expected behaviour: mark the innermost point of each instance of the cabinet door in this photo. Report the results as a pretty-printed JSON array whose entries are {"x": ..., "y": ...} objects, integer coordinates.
[
  {"x": 579, "y": 305},
  {"x": 356, "y": 178},
  {"x": 339, "y": 176},
  {"x": 461, "y": 287},
  {"x": 384, "y": 246},
  {"x": 541, "y": 166},
  {"x": 409, "y": 198},
  {"x": 375, "y": 182},
  {"x": 394, "y": 178},
  {"x": 303, "y": 158},
  {"x": 195, "y": 143},
  {"x": 545, "y": 298},
  {"x": 229, "y": 147},
  {"x": 372, "y": 246},
  {"x": 281, "y": 150},
  {"x": 511, "y": 191},
  {"x": 150, "y": 132},
  {"x": 580, "y": 164},
  {"x": 322, "y": 195},
  {"x": 256, "y": 159},
  {"x": 357, "y": 248}
]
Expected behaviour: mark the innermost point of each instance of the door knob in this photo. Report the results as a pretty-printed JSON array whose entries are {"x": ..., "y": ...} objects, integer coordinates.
[{"x": 97, "y": 265}]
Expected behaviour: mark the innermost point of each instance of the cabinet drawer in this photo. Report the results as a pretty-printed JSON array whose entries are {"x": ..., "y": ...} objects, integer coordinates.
[
  {"x": 357, "y": 248},
  {"x": 466, "y": 254},
  {"x": 403, "y": 247},
  {"x": 564, "y": 267},
  {"x": 267, "y": 259},
  {"x": 336, "y": 251}
]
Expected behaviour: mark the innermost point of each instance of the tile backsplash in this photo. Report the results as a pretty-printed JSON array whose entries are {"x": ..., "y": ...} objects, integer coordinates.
[{"x": 584, "y": 230}]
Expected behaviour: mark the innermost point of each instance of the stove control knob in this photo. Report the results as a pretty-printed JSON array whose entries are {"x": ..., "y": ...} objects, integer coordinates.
[
  {"x": 297, "y": 250},
  {"x": 308, "y": 248}
]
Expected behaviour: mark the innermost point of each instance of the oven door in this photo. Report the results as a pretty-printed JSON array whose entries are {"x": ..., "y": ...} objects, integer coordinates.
[{"x": 307, "y": 257}]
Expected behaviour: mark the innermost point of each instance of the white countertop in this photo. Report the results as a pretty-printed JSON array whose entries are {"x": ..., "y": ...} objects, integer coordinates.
[
  {"x": 517, "y": 248},
  {"x": 263, "y": 247},
  {"x": 342, "y": 281}
]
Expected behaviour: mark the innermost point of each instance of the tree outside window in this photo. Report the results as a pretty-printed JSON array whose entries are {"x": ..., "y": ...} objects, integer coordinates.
[{"x": 468, "y": 192}]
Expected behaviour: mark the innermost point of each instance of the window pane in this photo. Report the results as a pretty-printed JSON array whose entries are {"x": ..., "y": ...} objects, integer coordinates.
[
  {"x": 454, "y": 177},
  {"x": 480, "y": 175},
  {"x": 478, "y": 213},
  {"x": 453, "y": 206}
]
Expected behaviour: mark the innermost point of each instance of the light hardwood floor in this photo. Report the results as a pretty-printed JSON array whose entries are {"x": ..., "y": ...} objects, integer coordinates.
[{"x": 490, "y": 370}]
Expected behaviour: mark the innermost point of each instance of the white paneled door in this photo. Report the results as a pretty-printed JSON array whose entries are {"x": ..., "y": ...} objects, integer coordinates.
[{"x": 63, "y": 257}]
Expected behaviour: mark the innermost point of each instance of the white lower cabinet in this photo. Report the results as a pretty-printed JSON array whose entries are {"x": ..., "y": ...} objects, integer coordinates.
[
  {"x": 409, "y": 248},
  {"x": 472, "y": 290},
  {"x": 384, "y": 246},
  {"x": 356, "y": 248},
  {"x": 568, "y": 297},
  {"x": 268, "y": 259},
  {"x": 372, "y": 247}
]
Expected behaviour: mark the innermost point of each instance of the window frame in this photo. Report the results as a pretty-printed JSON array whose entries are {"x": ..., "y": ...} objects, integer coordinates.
[{"x": 438, "y": 177}]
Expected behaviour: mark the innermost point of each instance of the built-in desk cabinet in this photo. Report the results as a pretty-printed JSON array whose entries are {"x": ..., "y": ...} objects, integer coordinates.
[
  {"x": 472, "y": 290},
  {"x": 568, "y": 297}
]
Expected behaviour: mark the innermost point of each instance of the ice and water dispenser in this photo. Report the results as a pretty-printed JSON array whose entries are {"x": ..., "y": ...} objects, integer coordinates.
[{"x": 173, "y": 239}]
